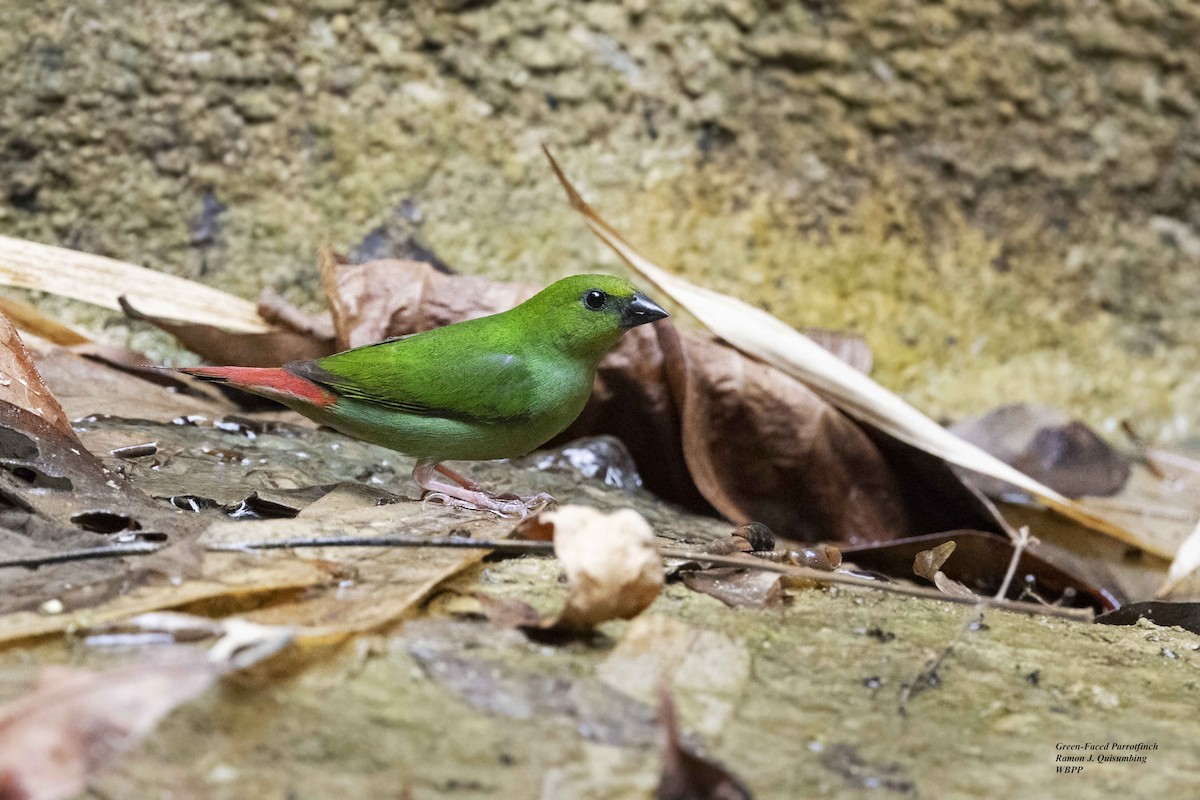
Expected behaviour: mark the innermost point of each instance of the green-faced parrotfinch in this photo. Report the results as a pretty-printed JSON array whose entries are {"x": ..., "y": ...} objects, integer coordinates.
[{"x": 493, "y": 387}]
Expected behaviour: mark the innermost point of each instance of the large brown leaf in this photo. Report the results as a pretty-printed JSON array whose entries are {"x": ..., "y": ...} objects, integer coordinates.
[{"x": 763, "y": 446}]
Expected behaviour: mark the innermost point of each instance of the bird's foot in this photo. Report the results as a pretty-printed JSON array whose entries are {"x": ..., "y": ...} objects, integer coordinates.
[
  {"x": 508, "y": 506},
  {"x": 465, "y": 493}
]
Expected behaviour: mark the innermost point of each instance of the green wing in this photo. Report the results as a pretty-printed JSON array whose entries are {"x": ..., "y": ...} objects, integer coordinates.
[{"x": 449, "y": 373}]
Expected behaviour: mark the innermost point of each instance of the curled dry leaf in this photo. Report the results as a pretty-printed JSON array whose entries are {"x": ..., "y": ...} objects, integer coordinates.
[
  {"x": 612, "y": 565},
  {"x": 929, "y": 562},
  {"x": 613, "y": 568},
  {"x": 276, "y": 310},
  {"x": 393, "y": 297}
]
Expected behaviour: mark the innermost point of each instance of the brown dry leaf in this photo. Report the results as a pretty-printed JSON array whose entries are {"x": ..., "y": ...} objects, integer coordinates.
[
  {"x": 737, "y": 587},
  {"x": 94, "y": 381},
  {"x": 928, "y": 562},
  {"x": 392, "y": 297},
  {"x": 62, "y": 496},
  {"x": 763, "y": 446},
  {"x": 948, "y": 585},
  {"x": 75, "y": 722},
  {"x": 685, "y": 775},
  {"x": 1048, "y": 446},
  {"x": 1163, "y": 504},
  {"x": 99, "y": 280},
  {"x": 758, "y": 333},
  {"x": 220, "y": 345},
  {"x": 1161, "y": 501},
  {"x": 376, "y": 586},
  {"x": 612, "y": 565},
  {"x": 230, "y": 578},
  {"x": 276, "y": 310},
  {"x": 20, "y": 383}
]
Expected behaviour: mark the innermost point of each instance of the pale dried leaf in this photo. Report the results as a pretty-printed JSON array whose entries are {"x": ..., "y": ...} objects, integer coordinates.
[
  {"x": 849, "y": 347},
  {"x": 29, "y": 319},
  {"x": 1183, "y": 577},
  {"x": 950, "y": 586},
  {"x": 100, "y": 281},
  {"x": 768, "y": 338},
  {"x": 613, "y": 568}
]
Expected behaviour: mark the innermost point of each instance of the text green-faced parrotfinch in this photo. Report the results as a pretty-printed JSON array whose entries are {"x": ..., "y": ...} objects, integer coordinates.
[{"x": 493, "y": 387}]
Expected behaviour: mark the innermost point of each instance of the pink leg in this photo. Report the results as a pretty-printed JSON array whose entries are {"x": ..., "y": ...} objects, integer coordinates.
[
  {"x": 464, "y": 493},
  {"x": 458, "y": 477}
]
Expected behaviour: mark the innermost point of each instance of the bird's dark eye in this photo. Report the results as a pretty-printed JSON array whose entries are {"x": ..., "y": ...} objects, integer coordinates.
[{"x": 594, "y": 299}]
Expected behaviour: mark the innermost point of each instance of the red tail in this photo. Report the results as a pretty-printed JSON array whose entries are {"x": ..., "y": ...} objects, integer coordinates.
[{"x": 274, "y": 382}]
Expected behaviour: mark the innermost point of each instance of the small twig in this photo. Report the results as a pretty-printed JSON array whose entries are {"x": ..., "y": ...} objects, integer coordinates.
[
  {"x": 1019, "y": 545},
  {"x": 107, "y": 551},
  {"x": 992, "y": 509},
  {"x": 1077, "y": 614},
  {"x": 499, "y": 545}
]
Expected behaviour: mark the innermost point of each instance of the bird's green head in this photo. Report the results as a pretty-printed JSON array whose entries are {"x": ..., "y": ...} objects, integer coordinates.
[{"x": 586, "y": 314}]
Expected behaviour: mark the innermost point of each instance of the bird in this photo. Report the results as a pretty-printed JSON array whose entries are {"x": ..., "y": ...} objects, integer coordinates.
[{"x": 487, "y": 388}]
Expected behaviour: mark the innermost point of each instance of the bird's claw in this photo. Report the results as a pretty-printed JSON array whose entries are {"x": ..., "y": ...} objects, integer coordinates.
[{"x": 504, "y": 506}]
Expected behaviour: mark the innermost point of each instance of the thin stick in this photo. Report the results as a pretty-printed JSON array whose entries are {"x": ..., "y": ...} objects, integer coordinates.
[
  {"x": 499, "y": 545},
  {"x": 1019, "y": 545},
  {"x": 1077, "y": 614},
  {"x": 85, "y": 554}
]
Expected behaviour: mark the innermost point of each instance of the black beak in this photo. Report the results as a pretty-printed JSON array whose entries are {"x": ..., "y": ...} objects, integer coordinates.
[{"x": 641, "y": 309}]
